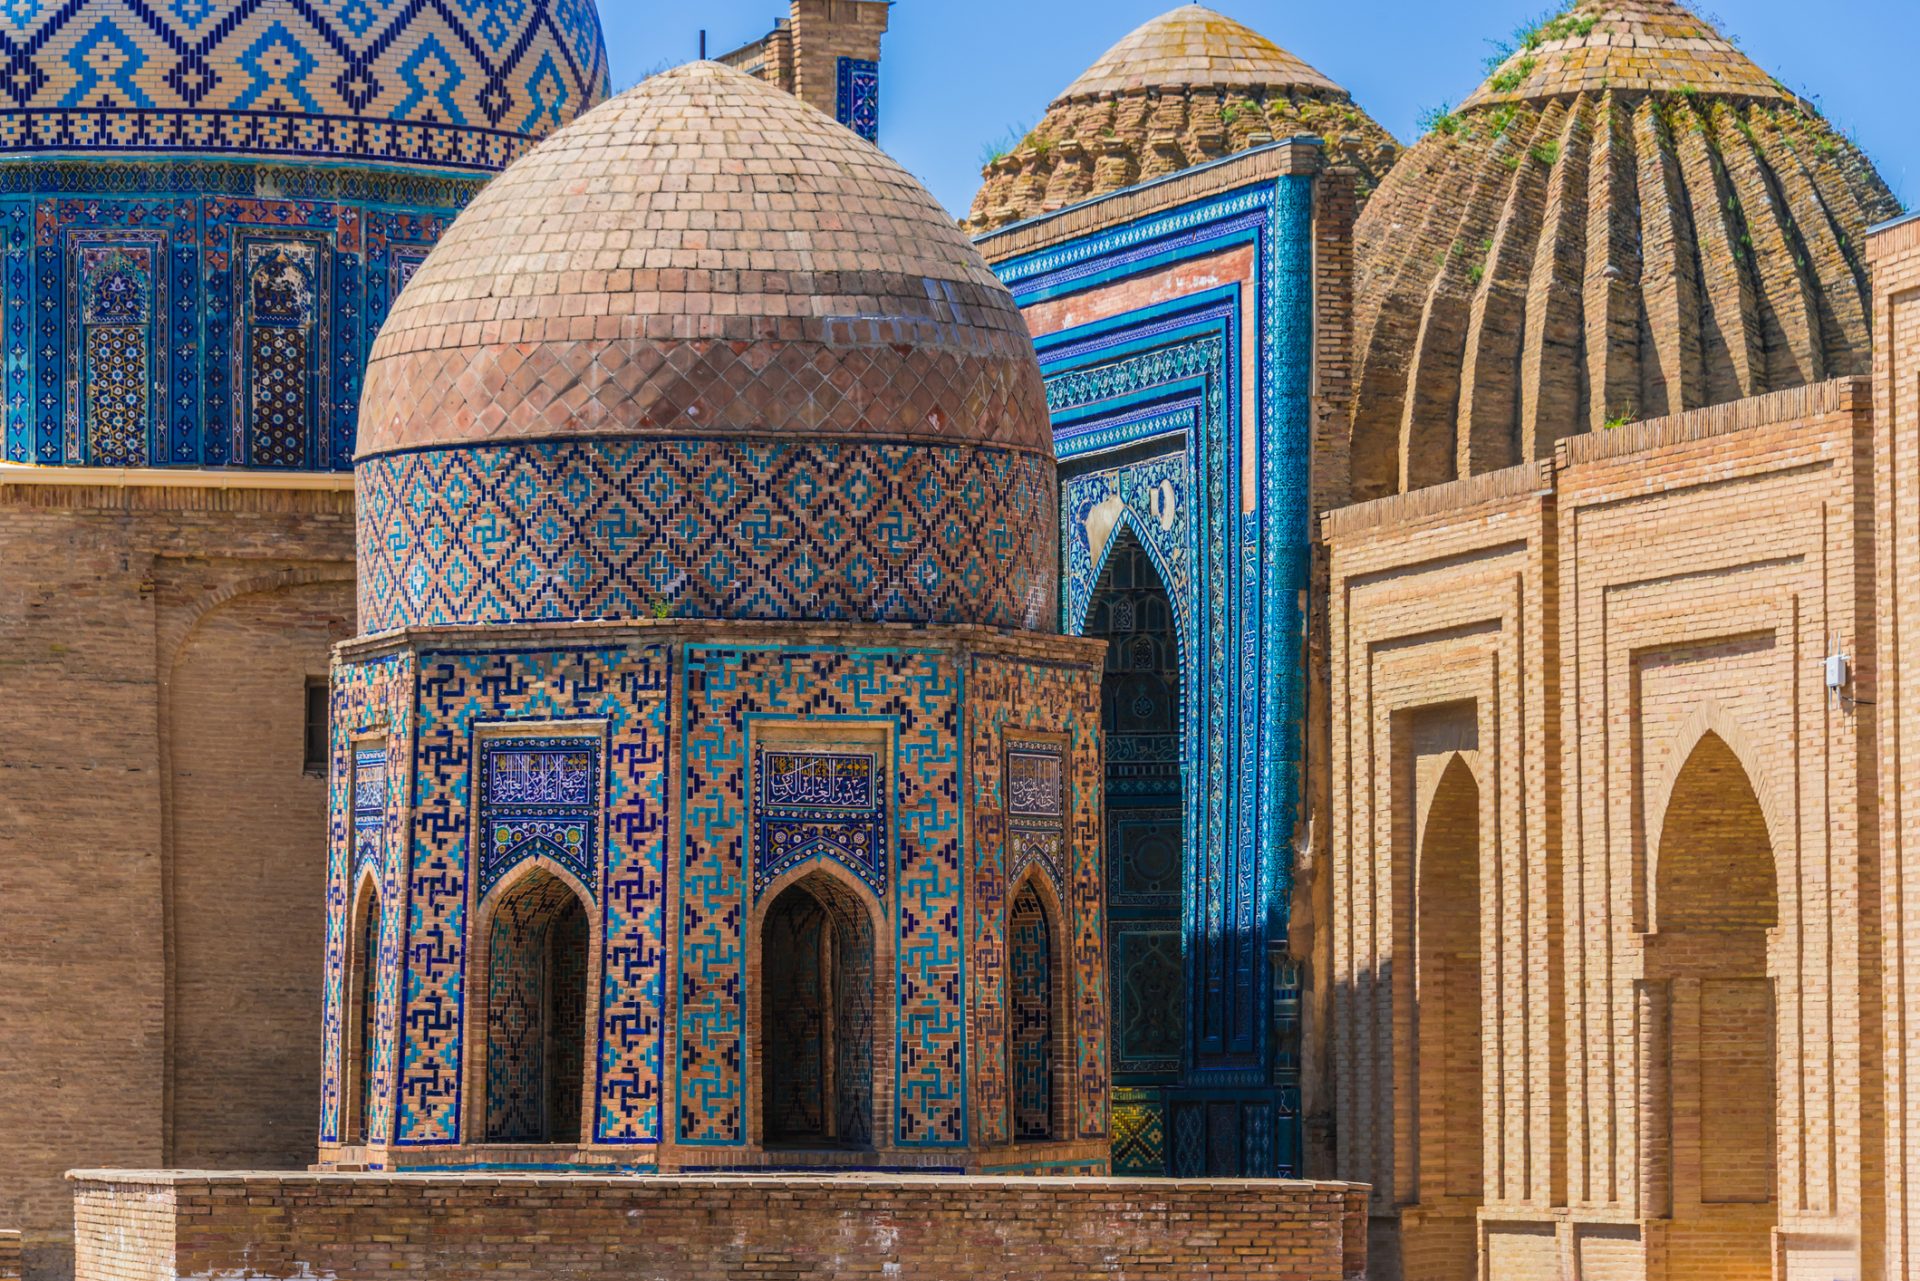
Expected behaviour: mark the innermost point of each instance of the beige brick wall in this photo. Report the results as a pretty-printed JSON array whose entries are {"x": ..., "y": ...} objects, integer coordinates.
[
  {"x": 825, "y": 31},
  {"x": 1575, "y": 632},
  {"x": 1895, "y": 256},
  {"x": 161, "y": 848},
  {"x": 135, "y": 1227}
]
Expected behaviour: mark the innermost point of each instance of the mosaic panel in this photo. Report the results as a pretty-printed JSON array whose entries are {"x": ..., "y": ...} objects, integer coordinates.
[
  {"x": 1036, "y": 787},
  {"x": 1158, "y": 448},
  {"x": 247, "y": 344},
  {"x": 369, "y": 808},
  {"x": 857, "y": 103},
  {"x": 625, "y": 690},
  {"x": 708, "y": 529},
  {"x": 917, "y": 694},
  {"x": 467, "y": 84},
  {"x": 1030, "y": 993},
  {"x": 819, "y": 805},
  {"x": 1139, "y": 1134},
  {"x": 539, "y": 797},
  {"x": 369, "y": 701},
  {"x": 1031, "y": 703}
]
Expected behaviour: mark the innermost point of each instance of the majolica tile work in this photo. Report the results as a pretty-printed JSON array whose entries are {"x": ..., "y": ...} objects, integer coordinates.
[
  {"x": 183, "y": 286},
  {"x": 745, "y": 807}
]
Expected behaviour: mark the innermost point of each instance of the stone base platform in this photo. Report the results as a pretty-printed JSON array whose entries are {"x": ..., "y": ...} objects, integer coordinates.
[{"x": 158, "y": 1226}]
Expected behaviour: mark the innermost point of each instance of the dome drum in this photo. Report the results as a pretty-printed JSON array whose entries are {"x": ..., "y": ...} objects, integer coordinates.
[{"x": 726, "y": 379}]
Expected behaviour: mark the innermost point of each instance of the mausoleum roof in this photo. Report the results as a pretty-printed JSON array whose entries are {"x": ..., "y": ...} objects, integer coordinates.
[
  {"x": 704, "y": 255},
  {"x": 1190, "y": 86},
  {"x": 1627, "y": 219}
]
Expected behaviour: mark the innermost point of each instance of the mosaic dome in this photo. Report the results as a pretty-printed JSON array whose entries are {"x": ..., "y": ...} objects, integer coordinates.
[
  {"x": 1627, "y": 219},
  {"x": 461, "y": 82},
  {"x": 1190, "y": 86},
  {"x": 706, "y": 351}
]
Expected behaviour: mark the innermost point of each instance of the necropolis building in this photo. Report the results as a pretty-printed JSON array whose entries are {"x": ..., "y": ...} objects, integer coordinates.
[{"x": 709, "y": 787}]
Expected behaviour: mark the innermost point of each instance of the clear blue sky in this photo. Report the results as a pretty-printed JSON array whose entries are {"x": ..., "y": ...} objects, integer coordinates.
[{"x": 960, "y": 74}]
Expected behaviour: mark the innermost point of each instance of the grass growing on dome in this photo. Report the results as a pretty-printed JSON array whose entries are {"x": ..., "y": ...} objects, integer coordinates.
[
  {"x": 1442, "y": 120},
  {"x": 992, "y": 153}
]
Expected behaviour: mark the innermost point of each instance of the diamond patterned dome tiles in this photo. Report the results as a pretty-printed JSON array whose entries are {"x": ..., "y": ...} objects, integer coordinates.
[{"x": 467, "y": 83}]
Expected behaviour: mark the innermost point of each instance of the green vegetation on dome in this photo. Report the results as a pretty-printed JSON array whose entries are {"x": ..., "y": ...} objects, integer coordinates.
[{"x": 1526, "y": 40}]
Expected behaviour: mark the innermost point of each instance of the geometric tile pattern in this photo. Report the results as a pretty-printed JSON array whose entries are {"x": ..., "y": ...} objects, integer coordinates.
[
  {"x": 539, "y": 797},
  {"x": 470, "y": 83},
  {"x": 825, "y": 804},
  {"x": 1219, "y": 379},
  {"x": 1012, "y": 708},
  {"x": 857, "y": 100},
  {"x": 561, "y": 530},
  {"x": 1139, "y": 1134},
  {"x": 620, "y": 693},
  {"x": 371, "y": 703},
  {"x": 242, "y": 342},
  {"x": 918, "y": 693},
  {"x": 1036, "y": 788}
]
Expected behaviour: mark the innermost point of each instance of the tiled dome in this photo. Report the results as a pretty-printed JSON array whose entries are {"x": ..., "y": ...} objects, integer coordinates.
[
  {"x": 465, "y": 84},
  {"x": 704, "y": 255},
  {"x": 1188, "y": 87},
  {"x": 1627, "y": 219}
]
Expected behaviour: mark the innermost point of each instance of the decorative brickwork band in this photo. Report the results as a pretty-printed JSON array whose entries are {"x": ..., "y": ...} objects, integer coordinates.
[{"x": 711, "y": 528}]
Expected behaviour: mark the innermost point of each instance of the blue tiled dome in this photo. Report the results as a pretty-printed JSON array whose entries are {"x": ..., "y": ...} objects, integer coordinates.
[
  {"x": 464, "y": 82},
  {"x": 207, "y": 207}
]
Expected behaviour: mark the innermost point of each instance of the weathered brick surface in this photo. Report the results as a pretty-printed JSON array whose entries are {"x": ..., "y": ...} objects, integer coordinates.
[
  {"x": 9, "y": 1256},
  {"x": 1185, "y": 89},
  {"x": 1622, "y": 647},
  {"x": 156, "y": 1227},
  {"x": 161, "y": 845}
]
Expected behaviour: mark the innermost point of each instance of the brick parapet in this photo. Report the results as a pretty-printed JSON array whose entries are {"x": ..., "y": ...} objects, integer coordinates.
[
  {"x": 10, "y": 1265},
  {"x": 136, "y": 1226}
]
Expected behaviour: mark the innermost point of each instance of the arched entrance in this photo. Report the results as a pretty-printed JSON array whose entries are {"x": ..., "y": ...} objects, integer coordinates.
[
  {"x": 1708, "y": 1050},
  {"x": 1447, "y": 1030},
  {"x": 539, "y": 940},
  {"x": 816, "y": 1016},
  {"x": 363, "y": 996},
  {"x": 1031, "y": 995},
  {"x": 1141, "y": 701}
]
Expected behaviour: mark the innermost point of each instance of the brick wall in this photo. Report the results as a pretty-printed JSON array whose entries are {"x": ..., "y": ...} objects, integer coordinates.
[
  {"x": 1895, "y": 255},
  {"x": 164, "y": 850},
  {"x": 1630, "y": 635},
  {"x": 825, "y": 31},
  {"x": 150, "y": 1227},
  {"x": 9, "y": 1256}
]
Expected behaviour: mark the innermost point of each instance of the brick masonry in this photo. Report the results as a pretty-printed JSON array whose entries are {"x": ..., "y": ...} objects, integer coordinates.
[
  {"x": 156, "y": 1227},
  {"x": 1622, "y": 648},
  {"x": 160, "y": 971}
]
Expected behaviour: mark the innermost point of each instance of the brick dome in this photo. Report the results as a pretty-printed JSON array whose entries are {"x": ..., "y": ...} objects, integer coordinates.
[
  {"x": 704, "y": 255},
  {"x": 1190, "y": 86},
  {"x": 706, "y": 353},
  {"x": 1627, "y": 219}
]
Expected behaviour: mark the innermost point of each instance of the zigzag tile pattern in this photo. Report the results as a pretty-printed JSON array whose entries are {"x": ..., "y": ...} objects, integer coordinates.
[
  {"x": 561, "y": 530},
  {"x": 469, "y": 83}
]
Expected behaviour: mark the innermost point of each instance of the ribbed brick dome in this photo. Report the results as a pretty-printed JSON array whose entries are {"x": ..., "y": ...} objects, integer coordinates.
[
  {"x": 1188, "y": 87},
  {"x": 704, "y": 255},
  {"x": 1627, "y": 219}
]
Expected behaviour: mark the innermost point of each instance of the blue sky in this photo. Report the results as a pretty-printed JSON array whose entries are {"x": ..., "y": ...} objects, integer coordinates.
[{"x": 960, "y": 74}]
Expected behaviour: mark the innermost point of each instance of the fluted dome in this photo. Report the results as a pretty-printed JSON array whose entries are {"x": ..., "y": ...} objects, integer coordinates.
[
  {"x": 464, "y": 85},
  {"x": 1190, "y": 86},
  {"x": 704, "y": 254},
  {"x": 706, "y": 353},
  {"x": 1627, "y": 219}
]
